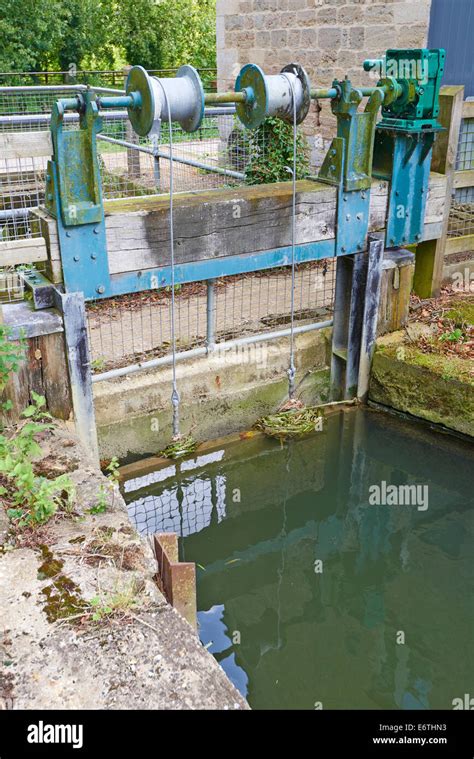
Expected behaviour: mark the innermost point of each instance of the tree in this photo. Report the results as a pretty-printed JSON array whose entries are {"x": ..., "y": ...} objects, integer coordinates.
[
  {"x": 29, "y": 35},
  {"x": 140, "y": 33},
  {"x": 188, "y": 29}
]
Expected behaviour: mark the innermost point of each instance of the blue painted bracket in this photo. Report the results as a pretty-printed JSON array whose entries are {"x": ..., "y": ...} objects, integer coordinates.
[
  {"x": 404, "y": 159},
  {"x": 74, "y": 198},
  {"x": 199, "y": 271}
]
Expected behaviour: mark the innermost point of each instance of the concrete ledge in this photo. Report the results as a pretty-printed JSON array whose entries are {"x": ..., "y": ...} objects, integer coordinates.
[
  {"x": 398, "y": 382},
  {"x": 24, "y": 320},
  {"x": 220, "y": 394}
]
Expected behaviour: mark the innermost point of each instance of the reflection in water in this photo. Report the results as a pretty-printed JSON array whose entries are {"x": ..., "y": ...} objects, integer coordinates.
[{"x": 306, "y": 593}]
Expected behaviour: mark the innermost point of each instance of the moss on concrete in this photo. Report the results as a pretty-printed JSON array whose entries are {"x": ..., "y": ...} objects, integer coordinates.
[{"x": 432, "y": 386}]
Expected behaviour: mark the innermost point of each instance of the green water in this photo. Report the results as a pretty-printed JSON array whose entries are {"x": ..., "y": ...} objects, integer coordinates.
[{"x": 309, "y": 595}]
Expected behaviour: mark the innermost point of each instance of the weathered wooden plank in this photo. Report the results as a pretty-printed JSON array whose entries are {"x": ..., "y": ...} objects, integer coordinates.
[
  {"x": 227, "y": 222},
  {"x": 463, "y": 179},
  {"x": 25, "y": 144},
  {"x": 468, "y": 109},
  {"x": 55, "y": 375},
  {"x": 459, "y": 244},
  {"x": 28, "y": 251},
  {"x": 430, "y": 254}
]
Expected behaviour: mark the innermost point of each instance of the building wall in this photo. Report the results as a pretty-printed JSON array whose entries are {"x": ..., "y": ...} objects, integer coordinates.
[{"x": 330, "y": 38}]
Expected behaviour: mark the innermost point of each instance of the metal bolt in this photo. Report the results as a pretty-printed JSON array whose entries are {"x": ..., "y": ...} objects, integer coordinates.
[
  {"x": 332, "y": 168},
  {"x": 359, "y": 217},
  {"x": 96, "y": 231},
  {"x": 422, "y": 190},
  {"x": 418, "y": 237},
  {"x": 397, "y": 193},
  {"x": 100, "y": 289},
  {"x": 76, "y": 258},
  {"x": 392, "y": 241},
  {"x": 68, "y": 234},
  {"x": 344, "y": 197},
  {"x": 333, "y": 151},
  {"x": 343, "y": 250},
  {"x": 407, "y": 214},
  {"x": 348, "y": 217},
  {"x": 363, "y": 195},
  {"x": 93, "y": 256}
]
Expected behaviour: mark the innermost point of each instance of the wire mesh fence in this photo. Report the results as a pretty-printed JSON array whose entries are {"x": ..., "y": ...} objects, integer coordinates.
[
  {"x": 137, "y": 328},
  {"x": 215, "y": 156},
  {"x": 461, "y": 217}
]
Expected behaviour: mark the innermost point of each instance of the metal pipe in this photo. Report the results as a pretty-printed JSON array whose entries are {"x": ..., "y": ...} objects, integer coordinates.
[
  {"x": 324, "y": 93},
  {"x": 16, "y": 213},
  {"x": 225, "y": 97},
  {"x": 196, "y": 352},
  {"x": 210, "y": 307},
  {"x": 45, "y": 118},
  {"x": 57, "y": 88},
  {"x": 177, "y": 159}
]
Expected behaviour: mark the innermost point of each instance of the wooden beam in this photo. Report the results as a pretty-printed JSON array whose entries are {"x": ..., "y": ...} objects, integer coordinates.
[
  {"x": 459, "y": 244},
  {"x": 26, "y": 144},
  {"x": 31, "y": 250},
  {"x": 220, "y": 223},
  {"x": 463, "y": 179},
  {"x": 468, "y": 109},
  {"x": 430, "y": 255}
]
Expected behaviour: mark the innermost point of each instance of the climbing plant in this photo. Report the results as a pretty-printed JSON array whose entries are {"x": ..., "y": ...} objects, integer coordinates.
[{"x": 270, "y": 153}]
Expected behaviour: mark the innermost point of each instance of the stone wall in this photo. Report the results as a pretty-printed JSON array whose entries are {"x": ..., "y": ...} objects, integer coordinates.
[{"x": 330, "y": 38}]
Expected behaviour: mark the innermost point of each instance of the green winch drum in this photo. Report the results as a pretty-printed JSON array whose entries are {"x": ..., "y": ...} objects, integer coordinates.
[
  {"x": 273, "y": 95},
  {"x": 184, "y": 93}
]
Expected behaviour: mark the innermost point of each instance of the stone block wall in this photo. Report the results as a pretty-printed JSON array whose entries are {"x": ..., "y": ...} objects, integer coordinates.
[{"x": 330, "y": 38}]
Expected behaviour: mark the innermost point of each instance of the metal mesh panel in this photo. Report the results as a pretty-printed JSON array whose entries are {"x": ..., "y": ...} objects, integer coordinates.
[
  {"x": 465, "y": 156},
  {"x": 12, "y": 286},
  {"x": 135, "y": 328},
  {"x": 461, "y": 216}
]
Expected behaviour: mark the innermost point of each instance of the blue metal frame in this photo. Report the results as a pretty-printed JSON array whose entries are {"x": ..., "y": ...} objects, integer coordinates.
[{"x": 199, "y": 271}]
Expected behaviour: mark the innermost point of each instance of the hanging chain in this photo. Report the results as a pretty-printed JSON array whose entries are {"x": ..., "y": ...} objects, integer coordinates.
[{"x": 175, "y": 398}]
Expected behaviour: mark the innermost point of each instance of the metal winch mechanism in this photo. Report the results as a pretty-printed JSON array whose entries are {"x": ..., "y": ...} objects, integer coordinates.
[
  {"x": 74, "y": 195},
  {"x": 397, "y": 149}
]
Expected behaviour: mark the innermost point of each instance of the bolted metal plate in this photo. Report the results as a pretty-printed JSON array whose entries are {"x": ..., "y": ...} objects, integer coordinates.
[
  {"x": 141, "y": 118},
  {"x": 303, "y": 107},
  {"x": 254, "y": 112}
]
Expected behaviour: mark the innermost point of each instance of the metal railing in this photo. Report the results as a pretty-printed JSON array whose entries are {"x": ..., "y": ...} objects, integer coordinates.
[{"x": 215, "y": 156}]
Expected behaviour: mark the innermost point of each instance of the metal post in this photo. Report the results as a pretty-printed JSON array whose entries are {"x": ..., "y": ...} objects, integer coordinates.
[
  {"x": 211, "y": 301},
  {"x": 72, "y": 306},
  {"x": 371, "y": 313}
]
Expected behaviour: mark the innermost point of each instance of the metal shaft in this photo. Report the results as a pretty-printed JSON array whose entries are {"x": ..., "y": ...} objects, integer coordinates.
[{"x": 225, "y": 97}]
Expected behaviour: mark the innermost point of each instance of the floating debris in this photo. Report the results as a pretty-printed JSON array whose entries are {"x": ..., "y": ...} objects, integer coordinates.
[
  {"x": 289, "y": 424},
  {"x": 179, "y": 448}
]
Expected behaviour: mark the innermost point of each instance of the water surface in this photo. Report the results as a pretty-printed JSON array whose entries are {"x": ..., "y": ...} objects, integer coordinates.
[{"x": 308, "y": 595}]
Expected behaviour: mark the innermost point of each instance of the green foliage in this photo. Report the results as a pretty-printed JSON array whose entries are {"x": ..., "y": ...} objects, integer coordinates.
[
  {"x": 168, "y": 33},
  {"x": 112, "y": 475},
  {"x": 28, "y": 33},
  {"x": 453, "y": 337},
  {"x": 270, "y": 148},
  {"x": 11, "y": 354},
  {"x": 188, "y": 31},
  {"x": 33, "y": 498}
]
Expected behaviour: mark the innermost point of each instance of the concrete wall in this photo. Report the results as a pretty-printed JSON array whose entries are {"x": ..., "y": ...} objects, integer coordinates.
[
  {"x": 330, "y": 38},
  {"x": 220, "y": 395}
]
